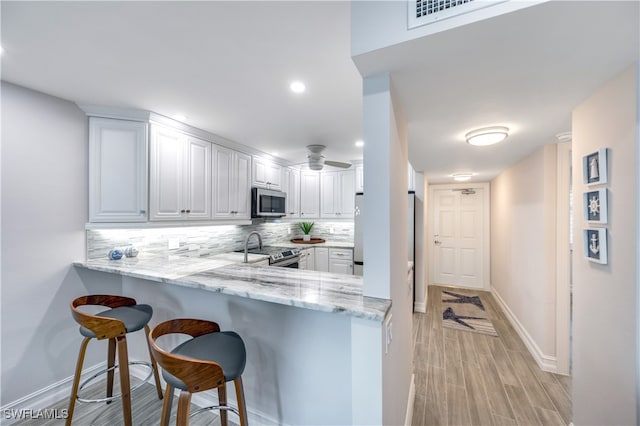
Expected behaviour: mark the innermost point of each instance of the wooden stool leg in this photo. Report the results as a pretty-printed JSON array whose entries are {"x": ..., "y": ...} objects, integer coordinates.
[
  {"x": 222, "y": 400},
  {"x": 123, "y": 364},
  {"x": 184, "y": 404},
  {"x": 76, "y": 380},
  {"x": 111, "y": 360},
  {"x": 242, "y": 406},
  {"x": 166, "y": 406},
  {"x": 147, "y": 330}
]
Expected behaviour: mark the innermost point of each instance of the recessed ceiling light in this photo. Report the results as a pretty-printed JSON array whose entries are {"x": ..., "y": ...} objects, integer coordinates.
[
  {"x": 180, "y": 117},
  {"x": 297, "y": 87},
  {"x": 487, "y": 135},
  {"x": 359, "y": 143},
  {"x": 461, "y": 177}
]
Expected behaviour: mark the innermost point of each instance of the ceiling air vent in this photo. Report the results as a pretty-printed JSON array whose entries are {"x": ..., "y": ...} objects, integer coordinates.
[{"x": 422, "y": 12}]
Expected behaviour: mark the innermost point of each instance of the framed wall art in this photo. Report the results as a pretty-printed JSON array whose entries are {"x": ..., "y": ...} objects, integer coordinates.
[
  {"x": 595, "y": 245},
  {"x": 594, "y": 167},
  {"x": 595, "y": 206}
]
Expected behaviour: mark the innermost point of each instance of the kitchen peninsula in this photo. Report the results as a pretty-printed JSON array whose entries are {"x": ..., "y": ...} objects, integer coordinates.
[{"x": 302, "y": 328}]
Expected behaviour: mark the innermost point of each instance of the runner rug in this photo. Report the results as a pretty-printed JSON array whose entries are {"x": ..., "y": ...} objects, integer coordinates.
[{"x": 465, "y": 312}]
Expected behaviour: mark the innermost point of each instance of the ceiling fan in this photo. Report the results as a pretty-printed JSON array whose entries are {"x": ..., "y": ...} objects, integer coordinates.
[{"x": 316, "y": 160}]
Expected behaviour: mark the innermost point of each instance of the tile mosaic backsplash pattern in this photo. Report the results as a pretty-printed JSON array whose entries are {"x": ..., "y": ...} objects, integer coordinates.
[{"x": 207, "y": 240}]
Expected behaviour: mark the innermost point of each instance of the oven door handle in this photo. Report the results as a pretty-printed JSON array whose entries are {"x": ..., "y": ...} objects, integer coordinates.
[{"x": 287, "y": 262}]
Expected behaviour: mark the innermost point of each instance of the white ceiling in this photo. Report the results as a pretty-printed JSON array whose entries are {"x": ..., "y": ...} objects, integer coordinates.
[{"x": 227, "y": 67}]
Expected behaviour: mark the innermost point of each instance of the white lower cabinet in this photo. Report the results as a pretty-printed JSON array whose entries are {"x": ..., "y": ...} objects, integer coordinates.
[
  {"x": 307, "y": 259},
  {"x": 322, "y": 259},
  {"x": 341, "y": 261}
]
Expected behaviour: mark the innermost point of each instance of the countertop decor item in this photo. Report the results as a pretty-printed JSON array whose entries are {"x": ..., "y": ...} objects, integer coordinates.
[
  {"x": 309, "y": 241},
  {"x": 131, "y": 251},
  {"x": 306, "y": 228},
  {"x": 115, "y": 254}
]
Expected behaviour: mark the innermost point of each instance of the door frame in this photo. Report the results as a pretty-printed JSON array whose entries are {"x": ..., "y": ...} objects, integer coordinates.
[
  {"x": 486, "y": 223},
  {"x": 563, "y": 256}
]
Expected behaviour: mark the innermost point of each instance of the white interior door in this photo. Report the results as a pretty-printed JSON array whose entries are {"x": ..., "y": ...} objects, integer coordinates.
[{"x": 458, "y": 237}]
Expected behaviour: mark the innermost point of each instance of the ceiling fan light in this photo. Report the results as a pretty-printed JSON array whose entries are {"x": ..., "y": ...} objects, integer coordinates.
[{"x": 487, "y": 135}]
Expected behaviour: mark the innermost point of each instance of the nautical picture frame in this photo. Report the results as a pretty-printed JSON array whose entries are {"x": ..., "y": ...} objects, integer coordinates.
[
  {"x": 595, "y": 245},
  {"x": 594, "y": 167},
  {"x": 595, "y": 206}
]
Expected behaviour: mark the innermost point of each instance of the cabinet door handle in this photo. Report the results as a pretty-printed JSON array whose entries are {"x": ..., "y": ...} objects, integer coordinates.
[
  {"x": 183, "y": 211},
  {"x": 188, "y": 211},
  {"x": 143, "y": 212}
]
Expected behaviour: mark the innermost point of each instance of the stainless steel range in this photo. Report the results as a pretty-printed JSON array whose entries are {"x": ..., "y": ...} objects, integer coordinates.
[{"x": 286, "y": 257}]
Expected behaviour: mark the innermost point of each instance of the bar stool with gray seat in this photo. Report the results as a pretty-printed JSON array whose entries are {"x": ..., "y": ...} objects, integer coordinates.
[
  {"x": 207, "y": 361},
  {"x": 125, "y": 316}
]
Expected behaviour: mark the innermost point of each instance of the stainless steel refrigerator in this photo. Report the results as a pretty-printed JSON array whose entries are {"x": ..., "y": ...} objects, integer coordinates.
[{"x": 358, "y": 262}]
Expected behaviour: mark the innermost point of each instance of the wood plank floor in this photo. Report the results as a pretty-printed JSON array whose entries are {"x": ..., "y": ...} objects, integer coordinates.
[
  {"x": 146, "y": 409},
  {"x": 466, "y": 378}
]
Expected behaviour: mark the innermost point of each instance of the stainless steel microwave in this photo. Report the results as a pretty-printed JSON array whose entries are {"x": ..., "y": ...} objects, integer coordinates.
[{"x": 268, "y": 203}]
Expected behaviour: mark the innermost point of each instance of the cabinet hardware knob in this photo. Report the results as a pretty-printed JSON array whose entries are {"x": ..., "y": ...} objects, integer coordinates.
[
  {"x": 188, "y": 211},
  {"x": 143, "y": 211},
  {"x": 183, "y": 211}
]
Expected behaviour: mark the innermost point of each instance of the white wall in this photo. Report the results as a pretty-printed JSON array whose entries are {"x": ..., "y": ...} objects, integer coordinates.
[
  {"x": 605, "y": 307},
  {"x": 385, "y": 239},
  {"x": 523, "y": 246},
  {"x": 421, "y": 244},
  {"x": 44, "y": 209}
]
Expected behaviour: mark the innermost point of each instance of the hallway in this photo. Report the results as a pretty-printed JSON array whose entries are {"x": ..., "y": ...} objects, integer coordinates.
[{"x": 466, "y": 378}]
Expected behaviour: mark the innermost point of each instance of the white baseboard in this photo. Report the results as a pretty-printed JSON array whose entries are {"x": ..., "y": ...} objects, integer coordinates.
[
  {"x": 209, "y": 398},
  {"x": 545, "y": 362},
  {"x": 408, "y": 417},
  {"x": 420, "y": 307},
  {"x": 47, "y": 396}
]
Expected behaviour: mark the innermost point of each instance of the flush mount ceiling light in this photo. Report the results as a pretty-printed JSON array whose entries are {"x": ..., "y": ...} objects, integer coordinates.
[
  {"x": 297, "y": 87},
  {"x": 461, "y": 177},
  {"x": 359, "y": 143},
  {"x": 487, "y": 135}
]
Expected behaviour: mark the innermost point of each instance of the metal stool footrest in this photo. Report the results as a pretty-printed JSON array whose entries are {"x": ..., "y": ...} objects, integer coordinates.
[
  {"x": 215, "y": 407},
  {"x": 106, "y": 370}
]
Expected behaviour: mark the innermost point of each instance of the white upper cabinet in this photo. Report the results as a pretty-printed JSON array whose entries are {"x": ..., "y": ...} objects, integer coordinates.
[
  {"x": 337, "y": 198},
  {"x": 359, "y": 178},
  {"x": 117, "y": 170},
  {"x": 231, "y": 184},
  {"x": 411, "y": 177},
  {"x": 266, "y": 174},
  {"x": 291, "y": 185},
  {"x": 309, "y": 195},
  {"x": 180, "y": 176}
]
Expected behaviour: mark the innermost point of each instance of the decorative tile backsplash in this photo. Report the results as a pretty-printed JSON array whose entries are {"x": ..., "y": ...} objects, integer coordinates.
[{"x": 206, "y": 240}]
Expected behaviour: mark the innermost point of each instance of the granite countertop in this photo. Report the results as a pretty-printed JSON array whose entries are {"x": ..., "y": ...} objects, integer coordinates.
[
  {"x": 320, "y": 291},
  {"x": 330, "y": 244}
]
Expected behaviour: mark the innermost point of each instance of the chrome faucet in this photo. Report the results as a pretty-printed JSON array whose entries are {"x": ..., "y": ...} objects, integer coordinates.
[{"x": 246, "y": 244}]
